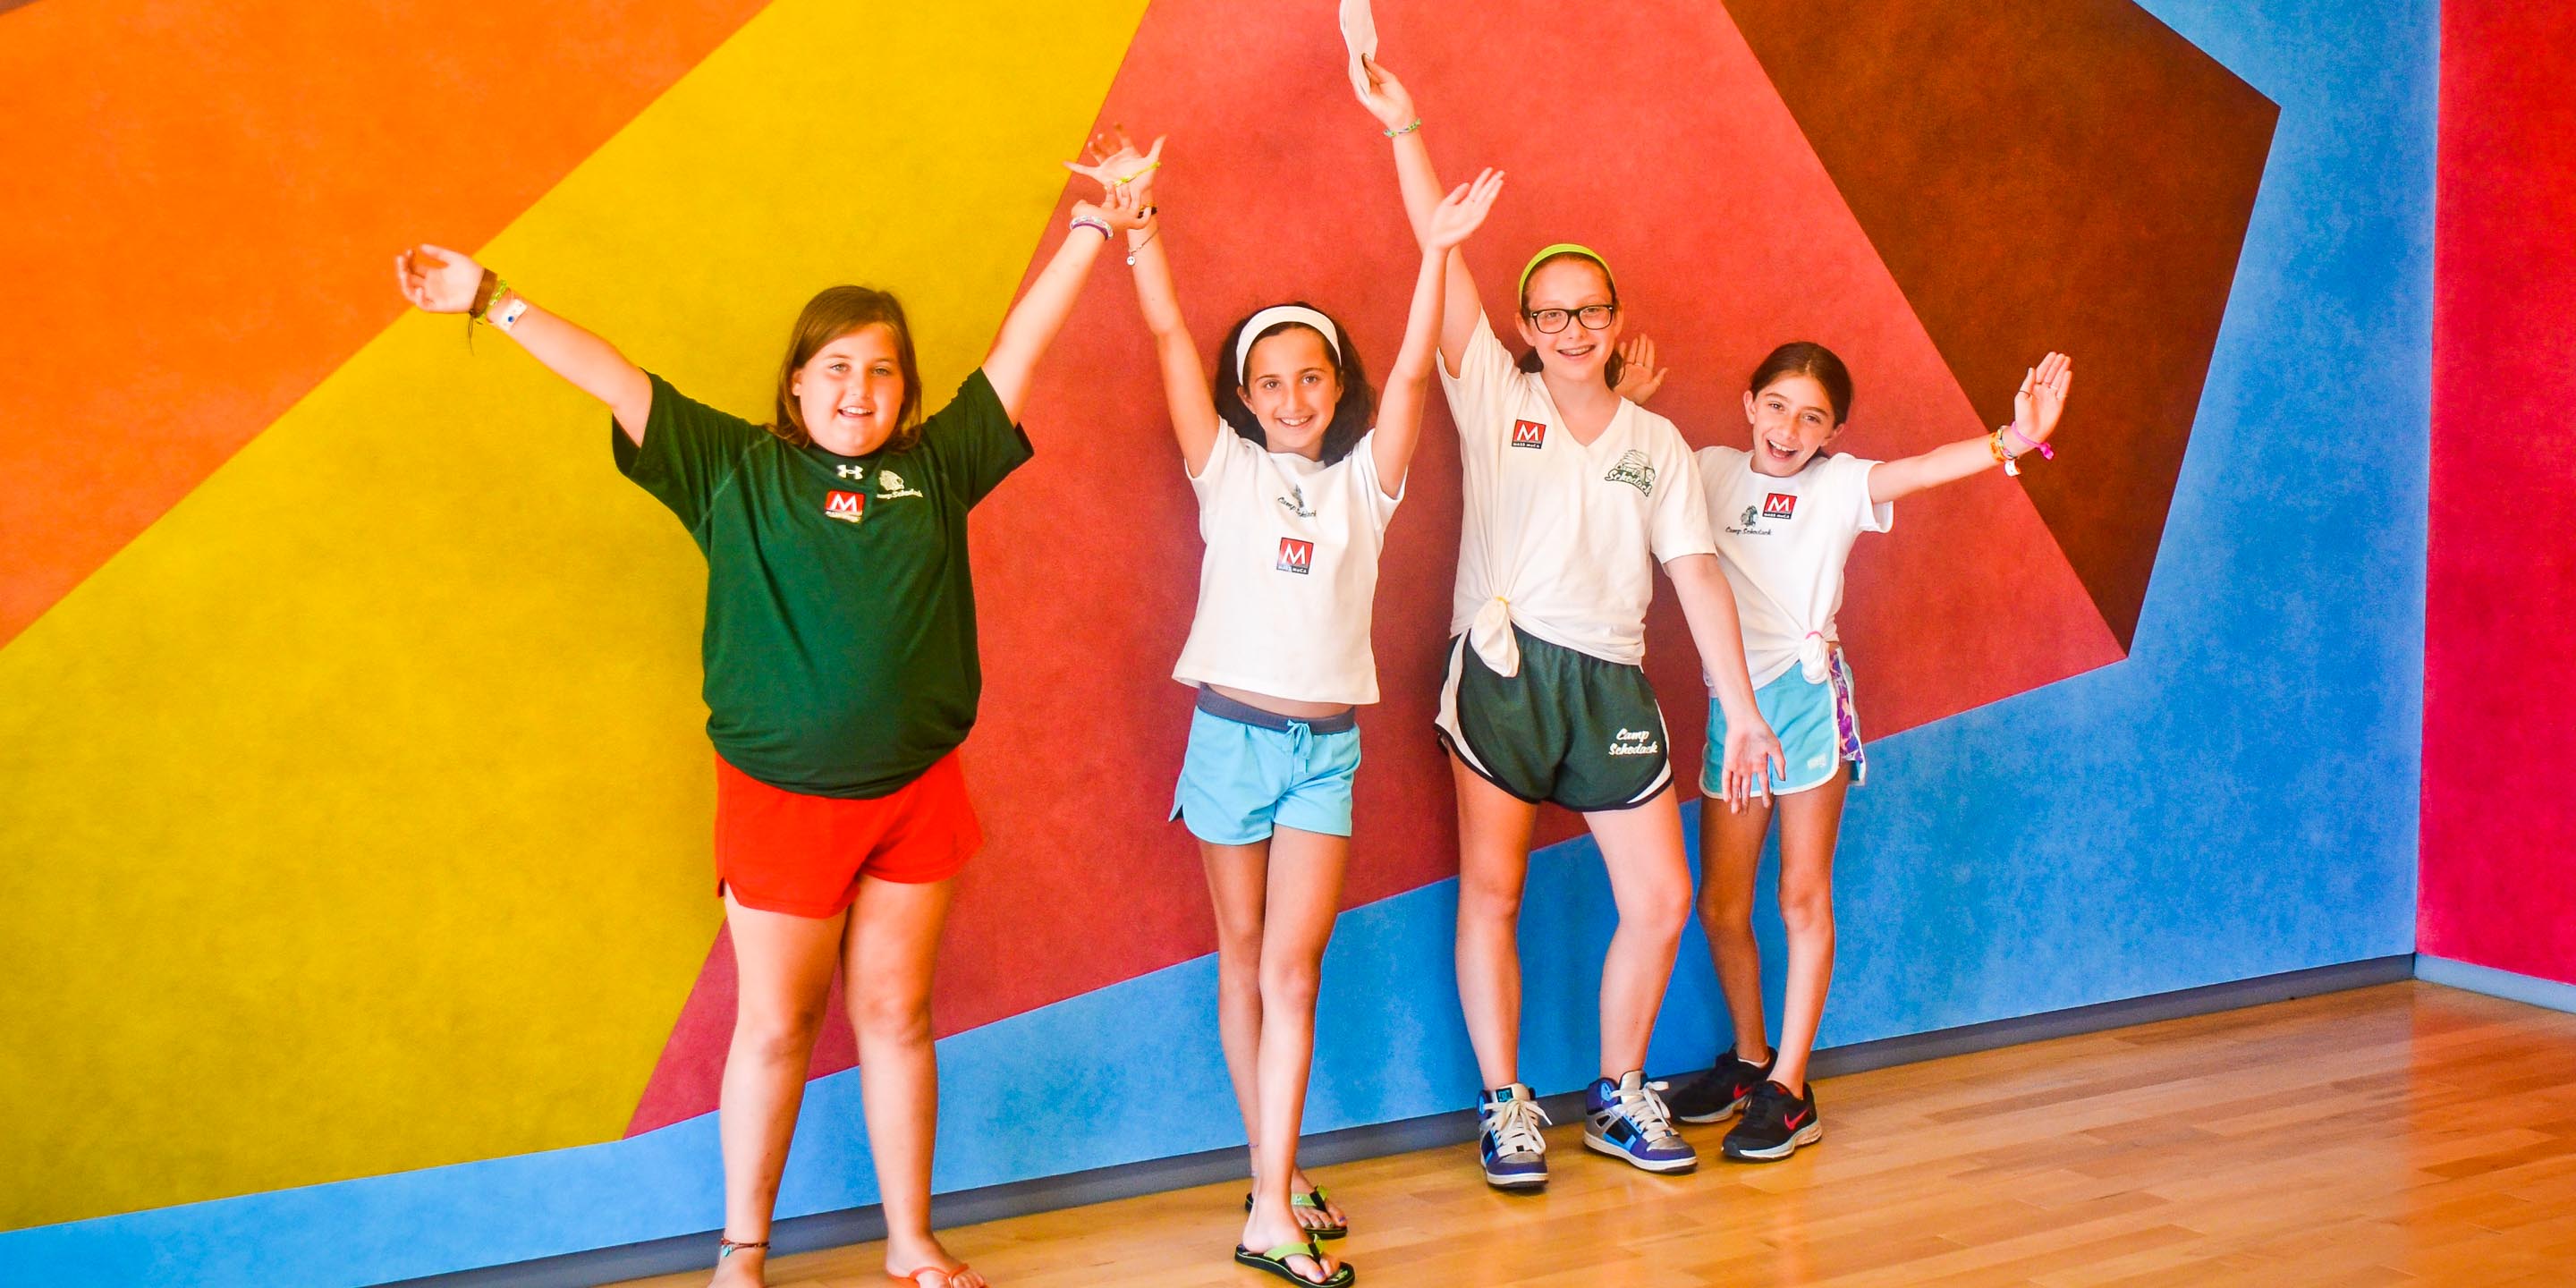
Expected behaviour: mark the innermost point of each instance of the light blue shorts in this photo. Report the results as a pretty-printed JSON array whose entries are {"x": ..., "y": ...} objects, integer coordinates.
[
  {"x": 1818, "y": 728},
  {"x": 1249, "y": 771}
]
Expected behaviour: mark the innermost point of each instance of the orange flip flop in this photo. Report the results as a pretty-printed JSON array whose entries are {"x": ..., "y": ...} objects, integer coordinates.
[{"x": 947, "y": 1276}]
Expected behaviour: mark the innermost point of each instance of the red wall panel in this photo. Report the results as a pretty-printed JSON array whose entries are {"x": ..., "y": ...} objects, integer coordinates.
[{"x": 2499, "y": 839}]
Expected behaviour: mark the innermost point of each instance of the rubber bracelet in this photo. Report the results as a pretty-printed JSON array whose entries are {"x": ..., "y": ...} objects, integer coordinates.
[
  {"x": 1086, "y": 221},
  {"x": 1407, "y": 128},
  {"x": 2045, "y": 453}
]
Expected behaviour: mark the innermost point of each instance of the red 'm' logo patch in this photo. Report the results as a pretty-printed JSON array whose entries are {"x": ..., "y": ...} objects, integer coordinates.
[
  {"x": 1779, "y": 505},
  {"x": 848, "y": 507},
  {"x": 1296, "y": 556},
  {"x": 1529, "y": 433}
]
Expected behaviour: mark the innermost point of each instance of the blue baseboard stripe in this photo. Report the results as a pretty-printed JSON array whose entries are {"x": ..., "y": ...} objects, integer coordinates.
[{"x": 2527, "y": 989}]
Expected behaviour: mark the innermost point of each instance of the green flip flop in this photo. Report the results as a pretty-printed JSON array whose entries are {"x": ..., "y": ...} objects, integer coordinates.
[
  {"x": 1275, "y": 1261},
  {"x": 1314, "y": 1201}
]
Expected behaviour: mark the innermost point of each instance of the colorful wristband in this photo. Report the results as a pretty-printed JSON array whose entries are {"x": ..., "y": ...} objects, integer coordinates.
[
  {"x": 1995, "y": 444},
  {"x": 1086, "y": 221},
  {"x": 1406, "y": 128}
]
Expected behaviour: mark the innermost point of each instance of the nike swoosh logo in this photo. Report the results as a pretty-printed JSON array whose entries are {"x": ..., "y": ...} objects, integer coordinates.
[{"x": 1792, "y": 1123}]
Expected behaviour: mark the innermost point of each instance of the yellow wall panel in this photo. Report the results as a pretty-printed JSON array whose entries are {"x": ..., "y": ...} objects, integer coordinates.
[{"x": 355, "y": 816}]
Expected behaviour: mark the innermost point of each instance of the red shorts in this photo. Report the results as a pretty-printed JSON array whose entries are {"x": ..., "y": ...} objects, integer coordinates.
[{"x": 783, "y": 851}]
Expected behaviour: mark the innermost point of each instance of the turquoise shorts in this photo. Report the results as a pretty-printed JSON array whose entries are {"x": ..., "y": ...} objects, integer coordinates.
[
  {"x": 1248, "y": 771},
  {"x": 1818, "y": 728}
]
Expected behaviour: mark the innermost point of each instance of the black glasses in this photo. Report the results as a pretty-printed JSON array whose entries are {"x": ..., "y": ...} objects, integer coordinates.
[{"x": 1593, "y": 316}]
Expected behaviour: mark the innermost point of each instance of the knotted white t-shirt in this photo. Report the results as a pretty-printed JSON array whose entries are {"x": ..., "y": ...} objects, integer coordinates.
[
  {"x": 1561, "y": 538},
  {"x": 1783, "y": 542}
]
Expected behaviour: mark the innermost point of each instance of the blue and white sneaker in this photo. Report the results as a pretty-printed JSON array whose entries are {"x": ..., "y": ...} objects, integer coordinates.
[
  {"x": 1514, "y": 1153},
  {"x": 1627, "y": 1120}
]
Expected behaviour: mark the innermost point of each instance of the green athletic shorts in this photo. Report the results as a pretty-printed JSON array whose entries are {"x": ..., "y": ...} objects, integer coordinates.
[{"x": 1570, "y": 728}]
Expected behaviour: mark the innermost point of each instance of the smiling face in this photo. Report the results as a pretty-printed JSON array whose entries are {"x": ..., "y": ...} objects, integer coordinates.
[
  {"x": 850, "y": 393},
  {"x": 1292, "y": 388},
  {"x": 1793, "y": 419},
  {"x": 1576, "y": 353}
]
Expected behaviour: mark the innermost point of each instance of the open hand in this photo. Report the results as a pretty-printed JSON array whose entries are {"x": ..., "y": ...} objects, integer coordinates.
[
  {"x": 1385, "y": 97},
  {"x": 437, "y": 280},
  {"x": 1112, "y": 161},
  {"x": 1639, "y": 377},
  {"x": 1462, "y": 212},
  {"x": 2041, "y": 399},
  {"x": 1753, "y": 755}
]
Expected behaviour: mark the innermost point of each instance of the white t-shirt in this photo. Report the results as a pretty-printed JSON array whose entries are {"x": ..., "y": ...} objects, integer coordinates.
[
  {"x": 1290, "y": 574},
  {"x": 1783, "y": 543},
  {"x": 1561, "y": 538}
]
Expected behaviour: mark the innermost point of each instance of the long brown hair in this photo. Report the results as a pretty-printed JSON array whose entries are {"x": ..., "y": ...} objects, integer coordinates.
[{"x": 834, "y": 312}]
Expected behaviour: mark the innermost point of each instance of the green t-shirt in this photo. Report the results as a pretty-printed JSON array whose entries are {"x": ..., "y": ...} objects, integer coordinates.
[{"x": 840, "y": 638}]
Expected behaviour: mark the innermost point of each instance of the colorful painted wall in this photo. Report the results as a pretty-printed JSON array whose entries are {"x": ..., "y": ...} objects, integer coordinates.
[
  {"x": 356, "y": 812},
  {"x": 2499, "y": 862}
]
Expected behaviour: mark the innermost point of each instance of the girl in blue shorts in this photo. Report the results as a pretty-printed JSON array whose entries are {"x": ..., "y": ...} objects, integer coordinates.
[
  {"x": 1786, "y": 514},
  {"x": 1295, "y": 489}
]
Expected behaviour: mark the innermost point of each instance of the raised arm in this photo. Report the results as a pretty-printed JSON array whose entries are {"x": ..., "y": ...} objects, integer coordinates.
[
  {"x": 1708, "y": 605},
  {"x": 437, "y": 280},
  {"x": 1034, "y": 321},
  {"x": 1408, "y": 385},
  {"x": 2036, "y": 407},
  {"x": 1388, "y": 101},
  {"x": 1185, "y": 383}
]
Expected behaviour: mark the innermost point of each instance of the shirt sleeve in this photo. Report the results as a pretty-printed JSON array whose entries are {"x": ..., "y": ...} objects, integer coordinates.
[
  {"x": 1372, "y": 489},
  {"x": 1225, "y": 455},
  {"x": 1475, "y": 393},
  {"x": 976, "y": 443},
  {"x": 1679, "y": 524},
  {"x": 689, "y": 452},
  {"x": 1852, "y": 504}
]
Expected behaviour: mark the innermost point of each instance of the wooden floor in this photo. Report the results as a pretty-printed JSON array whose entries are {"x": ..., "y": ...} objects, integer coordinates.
[{"x": 2395, "y": 1135}]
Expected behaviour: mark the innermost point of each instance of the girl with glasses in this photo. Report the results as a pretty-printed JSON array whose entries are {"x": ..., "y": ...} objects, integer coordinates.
[{"x": 1573, "y": 496}]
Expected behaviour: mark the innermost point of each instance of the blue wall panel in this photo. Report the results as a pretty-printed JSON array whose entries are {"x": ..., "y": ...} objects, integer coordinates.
[{"x": 2237, "y": 799}]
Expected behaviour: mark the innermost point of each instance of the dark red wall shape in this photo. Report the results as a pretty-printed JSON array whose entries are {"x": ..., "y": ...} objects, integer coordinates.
[
  {"x": 1655, "y": 138},
  {"x": 2044, "y": 174},
  {"x": 2499, "y": 850}
]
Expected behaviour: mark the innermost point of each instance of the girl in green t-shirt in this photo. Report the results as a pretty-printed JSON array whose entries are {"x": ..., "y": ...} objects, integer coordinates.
[{"x": 841, "y": 817}]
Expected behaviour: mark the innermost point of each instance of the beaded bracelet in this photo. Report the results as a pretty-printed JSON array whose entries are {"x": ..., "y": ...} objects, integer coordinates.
[
  {"x": 1087, "y": 221},
  {"x": 1407, "y": 128}
]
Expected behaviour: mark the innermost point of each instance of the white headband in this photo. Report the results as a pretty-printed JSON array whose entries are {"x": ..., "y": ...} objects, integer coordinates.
[{"x": 1273, "y": 316}]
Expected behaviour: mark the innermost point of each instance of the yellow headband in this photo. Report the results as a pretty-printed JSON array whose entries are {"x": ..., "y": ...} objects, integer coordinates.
[{"x": 1566, "y": 248}]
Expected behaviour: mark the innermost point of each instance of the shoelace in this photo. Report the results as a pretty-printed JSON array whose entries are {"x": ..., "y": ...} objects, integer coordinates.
[
  {"x": 1646, "y": 1109},
  {"x": 1515, "y": 1126}
]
